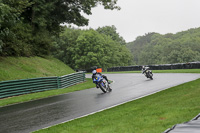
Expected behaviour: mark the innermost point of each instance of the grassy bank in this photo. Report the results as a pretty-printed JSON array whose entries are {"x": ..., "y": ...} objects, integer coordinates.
[
  {"x": 12, "y": 68},
  {"x": 151, "y": 114}
]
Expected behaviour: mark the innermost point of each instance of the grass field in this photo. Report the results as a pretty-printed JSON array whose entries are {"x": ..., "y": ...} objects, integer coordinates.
[
  {"x": 151, "y": 114},
  {"x": 12, "y": 68}
]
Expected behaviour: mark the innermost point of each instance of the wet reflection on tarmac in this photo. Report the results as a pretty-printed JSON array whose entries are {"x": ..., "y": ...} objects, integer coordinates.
[{"x": 34, "y": 115}]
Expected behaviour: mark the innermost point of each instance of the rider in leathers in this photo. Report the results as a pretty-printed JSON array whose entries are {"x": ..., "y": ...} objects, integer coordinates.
[
  {"x": 144, "y": 69},
  {"x": 94, "y": 72}
]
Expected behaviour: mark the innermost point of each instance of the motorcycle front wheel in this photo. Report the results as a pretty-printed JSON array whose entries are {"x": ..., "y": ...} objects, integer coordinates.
[
  {"x": 151, "y": 76},
  {"x": 102, "y": 87}
]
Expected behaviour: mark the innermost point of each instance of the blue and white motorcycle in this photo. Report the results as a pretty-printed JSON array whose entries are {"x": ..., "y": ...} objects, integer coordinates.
[{"x": 101, "y": 83}]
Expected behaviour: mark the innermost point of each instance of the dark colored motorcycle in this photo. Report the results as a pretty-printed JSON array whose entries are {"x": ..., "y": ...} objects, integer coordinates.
[
  {"x": 102, "y": 83},
  {"x": 148, "y": 74}
]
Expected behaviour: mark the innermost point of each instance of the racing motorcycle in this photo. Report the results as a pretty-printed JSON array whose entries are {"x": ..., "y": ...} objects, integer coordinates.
[
  {"x": 148, "y": 74},
  {"x": 102, "y": 83}
]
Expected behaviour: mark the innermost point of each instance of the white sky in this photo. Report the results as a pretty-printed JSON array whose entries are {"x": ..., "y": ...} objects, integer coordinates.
[{"x": 138, "y": 17}]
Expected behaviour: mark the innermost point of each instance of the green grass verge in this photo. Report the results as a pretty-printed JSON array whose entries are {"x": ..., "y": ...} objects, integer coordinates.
[
  {"x": 161, "y": 71},
  {"x": 151, "y": 114},
  {"x": 44, "y": 94},
  {"x": 132, "y": 121},
  {"x": 13, "y": 68}
]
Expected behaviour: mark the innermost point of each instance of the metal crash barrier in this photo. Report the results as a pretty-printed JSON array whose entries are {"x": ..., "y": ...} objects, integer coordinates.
[
  {"x": 25, "y": 86},
  {"x": 189, "y": 65}
]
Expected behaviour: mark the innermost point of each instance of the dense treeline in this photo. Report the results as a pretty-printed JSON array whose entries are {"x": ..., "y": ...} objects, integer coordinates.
[
  {"x": 27, "y": 26},
  {"x": 33, "y": 28},
  {"x": 154, "y": 48},
  {"x": 83, "y": 49}
]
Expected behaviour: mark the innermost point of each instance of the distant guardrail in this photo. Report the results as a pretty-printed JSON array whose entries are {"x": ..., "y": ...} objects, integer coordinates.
[
  {"x": 189, "y": 65},
  {"x": 25, "y": 86}
]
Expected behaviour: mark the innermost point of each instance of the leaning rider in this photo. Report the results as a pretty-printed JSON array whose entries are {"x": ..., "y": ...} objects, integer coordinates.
[
  {"x": 144, "y": 69},
  {"x": 94, "y": 72}
]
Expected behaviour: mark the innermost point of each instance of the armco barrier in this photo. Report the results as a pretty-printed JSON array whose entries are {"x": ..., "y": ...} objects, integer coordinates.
[
  {"x": 71, "y": 79},
  {"x": 25, "y": 86},
  {"x": 189, "y": 65}
]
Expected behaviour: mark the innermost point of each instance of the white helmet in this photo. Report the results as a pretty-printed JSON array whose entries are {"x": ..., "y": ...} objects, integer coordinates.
[{"x": 94, "y": 71}]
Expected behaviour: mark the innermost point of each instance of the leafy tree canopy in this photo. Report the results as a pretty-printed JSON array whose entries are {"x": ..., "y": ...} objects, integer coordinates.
[
  {"x": 82, "y": 49},
  {"x": 112, "y": 32},
  {"x": 27, "y": 26},
  {"x": 154, "y": 48}
]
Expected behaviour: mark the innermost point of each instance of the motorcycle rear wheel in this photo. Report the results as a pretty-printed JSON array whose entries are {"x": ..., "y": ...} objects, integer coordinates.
[{"x": 150, "y": 75}]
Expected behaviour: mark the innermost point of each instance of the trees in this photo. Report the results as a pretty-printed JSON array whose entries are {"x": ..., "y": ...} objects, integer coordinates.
[
  {"x": 6, "y": 20},
  {"x": 155, "y": 48},
  {"x": 63, "y": 47},
  {"x": 82, "y": 49},
  {"x": 137, "y": 46},
  {"x": 89, "y": 50},
  {"x": 10, "y": 12},
  {"x": 50, "y": 14},
  {"x": 112, "y": 32},
  {"x": 27, "y": 26}
]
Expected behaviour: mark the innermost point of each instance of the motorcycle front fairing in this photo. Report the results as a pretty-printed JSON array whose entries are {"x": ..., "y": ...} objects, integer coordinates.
[{"x": 98, "y": 79}]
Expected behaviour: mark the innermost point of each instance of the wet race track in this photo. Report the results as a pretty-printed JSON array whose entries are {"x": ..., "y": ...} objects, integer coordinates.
[{"x": 38, "y": 114}]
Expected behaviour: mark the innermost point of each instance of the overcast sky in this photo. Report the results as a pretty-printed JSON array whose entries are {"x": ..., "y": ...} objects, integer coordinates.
[{"x": 138, "y": 17}]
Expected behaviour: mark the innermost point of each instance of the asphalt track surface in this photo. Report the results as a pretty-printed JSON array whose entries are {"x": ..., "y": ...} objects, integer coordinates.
[{"x": 38, "y": 114}]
